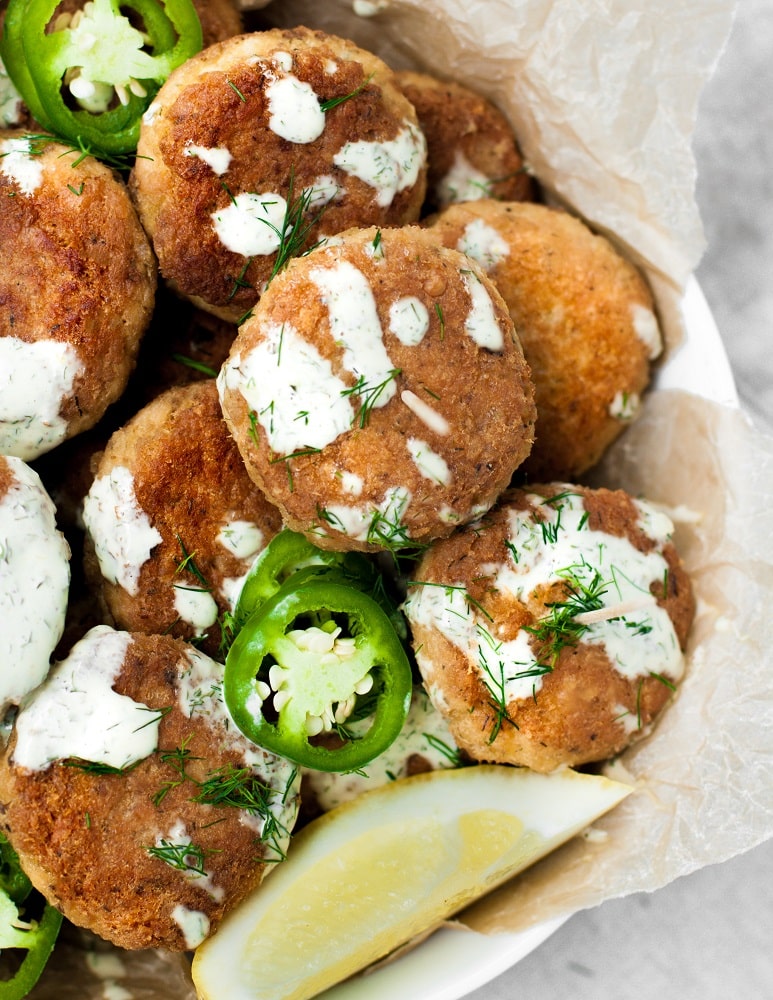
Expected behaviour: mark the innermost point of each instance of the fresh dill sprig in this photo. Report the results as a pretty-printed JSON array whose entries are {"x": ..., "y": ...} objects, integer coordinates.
[
  {"x": 98, "y": 766},
  {"x": 368, "y": 394},
  {"x": 39, "y": 140},
  {"x": 240, "y": 281},
  {"x": 241, "y": 788},
  {"x": 177, "y": 759},
  {"x": 333, "y": 102},
  {"x": 197, "y": 366},
  {"x": 451, "y": 753},
  {"x": 441, "y": 320},
  {"x": 495, "y": 683},
  {"x": 560, "y": 628},
  {"x": 236, "y": 90},
  {"x": 182, "y": 857},
  {"x": 188, "y": 564},
  {"x": 296, "y": 226}
]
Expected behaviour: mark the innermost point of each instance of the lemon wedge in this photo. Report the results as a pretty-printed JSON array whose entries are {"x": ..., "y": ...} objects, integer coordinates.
[{"x": 373, "y": 873}]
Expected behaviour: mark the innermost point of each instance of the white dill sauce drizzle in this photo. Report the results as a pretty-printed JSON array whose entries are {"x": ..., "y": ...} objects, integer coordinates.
[
  {"x": 54, "y": 723},
  {"x": 283, "y": 378},
  {"x": 34, "y": 380},
  {"x": 19, "y": 165},
  {"x": 121, "y": 531},
  {"x": 388, "y": 166},
  {"x": 637, "y": 635},
  {"x": 34, "y": 582}
]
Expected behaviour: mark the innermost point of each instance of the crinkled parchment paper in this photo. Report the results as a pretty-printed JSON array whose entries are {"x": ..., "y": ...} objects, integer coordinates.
[{"x": 603, "y": 98}]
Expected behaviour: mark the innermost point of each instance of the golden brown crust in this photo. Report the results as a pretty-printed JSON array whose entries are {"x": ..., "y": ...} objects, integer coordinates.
[
  {"x": 484, "y": 395},
  {"x": 572, "y": 299},
  {"x": 190, "y": 481},
  {"x": 458, "y": 122},
  {"x": 584, "y": 709},
  {"x": 82, "y": 837},
  {"x": 218, "y": 100},
  {"x": 77, "y": 269}
]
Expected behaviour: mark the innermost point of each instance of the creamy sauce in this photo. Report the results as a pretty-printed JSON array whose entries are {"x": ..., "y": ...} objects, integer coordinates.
[
  {"x": 34, "y": 380},
  {"x": 76, "y": 712},
  {"x": 409, "y": 320},
  {"x": 19, "y": 165},
  {"x": 625, "y": 406},
  {"x": 483, "y": 243},
  {"x": 294, "y": 110},
  {"x": 350, "y": 482},
  {"x": 355, "y": 326},
  {"x": 243, "y": 539},
  {"x": 217, "y": 158},
  {"x": 367, "y": 521},
  {"x": 251, "y": 224},
  {"x": 322, "y": 191},
  {"x": 200, "y": 692},
  {"x": 647, "y": 330},
  {"x": 121, "y": 531},
  {"x": 195, "y": 606},
  {"x": 388, "y": 166},
  {"x": 637, "y": 635},
  {"x": 297, "y": 399},
  {"x": 463, "y": 182},
  {"x": 431, "y": 465},
  {"x": 425, "y": 733},
  {"x": 429, "y": 416},
  {"x": 34, "y": 583},
  {"x": 481, "y": 322},
  {"x": 193, "y": 923}
]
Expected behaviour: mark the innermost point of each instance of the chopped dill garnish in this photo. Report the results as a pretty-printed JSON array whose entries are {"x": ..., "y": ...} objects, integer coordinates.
[
  {"x": 295, "y": 227},
  {"x": 441, "y": 320},
  {"x": 368, "y": 394},
  {"x": 197, "y": 366},
  {"x": 253, "y": 432},
  {"x": 495, "y": 684},
  {"x": 449, "y": 589},
  {"x": 241, "y": 788},
  {"x": 39, "y": 140},
  {"x": 236, "y": 90},
  {"x": 240, "y": 281},
  {"x": 559, "y": 628},
  {"x": 452, "y": 754},
  {"x": 182, "y": 857},
  {"x": 98, "y": 766},
  {"x": 188, "y": 564},
  {"x": 77, "y": 191},
  {"x": 333, "y": 102}
]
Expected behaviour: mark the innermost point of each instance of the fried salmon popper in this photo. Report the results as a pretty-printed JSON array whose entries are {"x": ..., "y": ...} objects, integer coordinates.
[
  {"x": 173, "y": 520},
  {"x": 258, "y": 146},
  {"x": 472, "y": 151},
  {"x": 148, "y": 817},
  {"x": 551, "y": 632},
  {"x": 585, "y": 317},
  {"x": 379, "y": 395},
  {"x": 78, "y": 285}
]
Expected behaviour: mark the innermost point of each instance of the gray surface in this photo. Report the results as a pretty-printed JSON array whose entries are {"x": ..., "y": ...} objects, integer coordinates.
[{"x": 707, "y": 935}]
